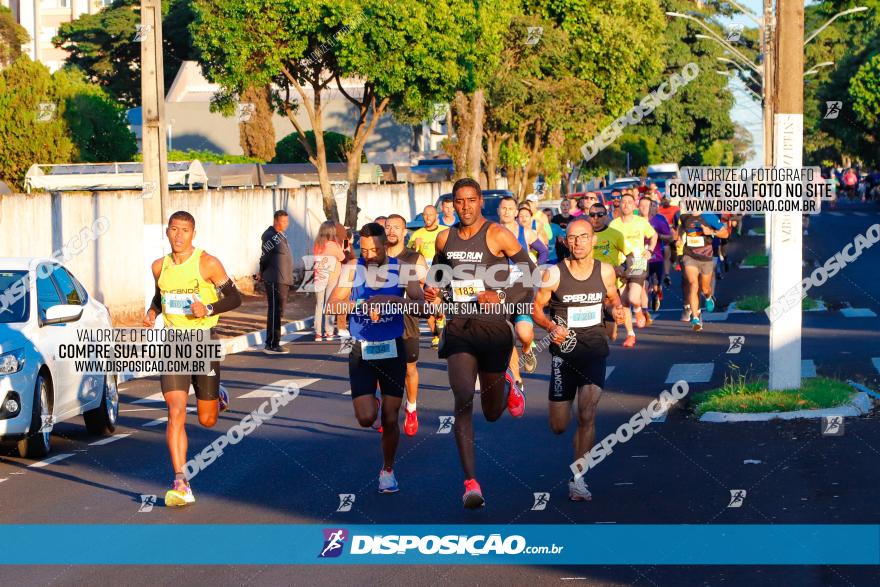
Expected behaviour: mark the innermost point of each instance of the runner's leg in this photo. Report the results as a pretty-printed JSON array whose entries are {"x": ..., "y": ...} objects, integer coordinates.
[
  {"x": 175, "y": 430},
  {"x": 462, "y": 380}
]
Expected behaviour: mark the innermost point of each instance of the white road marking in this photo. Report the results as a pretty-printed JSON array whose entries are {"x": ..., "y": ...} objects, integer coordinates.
[
  {"x": 50, "y": 460},
  {"x": 141, "y": 409},
  {"x": 274, "y": 389},
  {"x": 156, "y": 397},
  {"x": 858, "y": 313},
  {"x": 876, "y": 361},
  {"x": 609, "y": 371},
  {"x": 4, "y": 479},
  {"x": 691, "y": 372},
  {"x": 624, "y": 483},
  {"x": 836, "y": 213},
  {"x": 113, "y": 438},
  {"x": 347, "y": 392},
  {"x": 860, "y": 213},
  {"x": 639, "y": 456},
  {"x": 164, "y": 419},
  {"x": 808, "y": 368}
]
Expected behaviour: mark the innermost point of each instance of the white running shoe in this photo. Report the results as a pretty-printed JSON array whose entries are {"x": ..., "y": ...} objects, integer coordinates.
[
  {"x": 577, "y": 490},
  {"x": 387, "y": 482}
]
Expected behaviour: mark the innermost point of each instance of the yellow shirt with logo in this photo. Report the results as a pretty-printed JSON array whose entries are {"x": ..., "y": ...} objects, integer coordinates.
[
  {"x": 635, "y": 233},
  {"x": 181, "y": 285},
  {"x": 609, "y": 247},
  {"x": 428, "y": 246}
]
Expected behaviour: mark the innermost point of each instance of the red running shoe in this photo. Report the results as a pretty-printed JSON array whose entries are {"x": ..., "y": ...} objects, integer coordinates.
[
  {"x": 516, "y": 400},
  {"x": 473, "y": 496},
  {"x": 411, "y": 425}
]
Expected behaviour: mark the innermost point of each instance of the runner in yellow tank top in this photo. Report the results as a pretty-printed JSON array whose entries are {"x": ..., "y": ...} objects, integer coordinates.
[{"x": 187, "y": 281}]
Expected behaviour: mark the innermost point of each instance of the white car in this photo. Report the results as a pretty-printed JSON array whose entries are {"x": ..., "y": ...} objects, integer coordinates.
[{"x": 41, "y": 306}]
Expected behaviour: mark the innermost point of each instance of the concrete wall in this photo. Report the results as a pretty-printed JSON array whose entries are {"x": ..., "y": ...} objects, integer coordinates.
[{"x": 228, "y": 225}]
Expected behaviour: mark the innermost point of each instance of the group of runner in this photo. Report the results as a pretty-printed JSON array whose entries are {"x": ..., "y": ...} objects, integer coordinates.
[{"x": 606, "y": 271}]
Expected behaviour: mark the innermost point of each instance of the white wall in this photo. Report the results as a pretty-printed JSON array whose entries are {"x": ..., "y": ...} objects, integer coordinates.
[{"x": 228, "y": 225}]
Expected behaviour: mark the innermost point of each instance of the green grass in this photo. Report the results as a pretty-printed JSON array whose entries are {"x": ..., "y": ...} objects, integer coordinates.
[
  {"x": 757, "y": 260},
  {"x": 759, "y": 303},
  {"x": 740, "y": 397}
]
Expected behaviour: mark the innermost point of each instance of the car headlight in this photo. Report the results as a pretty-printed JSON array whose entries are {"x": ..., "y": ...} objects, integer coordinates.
[{"x": 11, "y": 362}]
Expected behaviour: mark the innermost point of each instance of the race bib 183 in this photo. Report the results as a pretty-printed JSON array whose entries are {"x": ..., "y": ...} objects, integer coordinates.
[
  {"x": 466, "y": 290},
  {"x": 179, "y": 304}
]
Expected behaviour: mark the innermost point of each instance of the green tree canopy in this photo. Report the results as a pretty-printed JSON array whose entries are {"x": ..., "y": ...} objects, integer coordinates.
[
  {"x": 12, "y": 37},
  {"x": 290, "y": 149}
]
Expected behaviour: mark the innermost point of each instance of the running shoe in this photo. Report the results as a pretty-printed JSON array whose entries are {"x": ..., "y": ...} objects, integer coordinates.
[
  {"x": 179, "y": 495},
  {"x": 516, "y": 399},
  {"x": 710, "y": 304},
  {"x": 655, "y": 301},
  {"x": 319, "y": 338},
  {"x": 387, "y": 482},
  {"x": 577, "y": 490},
  {"x": 667, "y": 281},
  {"x": 341, "y": 334},
  {"x": 411, "y": 425},
  {"x": 530, "y": 361},
  {"x": 441, "y": 322},
  {"x": 435, "y": 342},
  {"x": 223, "y": 397},
  {"x": 648, "y": 318},
  {"x": 630, "y": 341},
  {"x": 473, "y": 496},
  {"x": 686, "y": 314},
  {"x": 696, "y": 323},
  {"x": 640, "y": 319}
]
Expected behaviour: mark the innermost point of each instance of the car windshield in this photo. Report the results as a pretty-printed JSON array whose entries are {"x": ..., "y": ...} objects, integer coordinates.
[
  {"x": 662, "y": 175},
  {"x": 14, "y": 301}
]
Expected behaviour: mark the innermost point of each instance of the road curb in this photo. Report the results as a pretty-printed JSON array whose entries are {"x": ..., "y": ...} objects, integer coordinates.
[
  {"x": 860, "y": 404},
  {"x": 289, "y": 332}
]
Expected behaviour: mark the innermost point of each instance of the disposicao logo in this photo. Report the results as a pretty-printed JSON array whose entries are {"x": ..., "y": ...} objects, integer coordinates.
[{"x": 334, "y": 540}]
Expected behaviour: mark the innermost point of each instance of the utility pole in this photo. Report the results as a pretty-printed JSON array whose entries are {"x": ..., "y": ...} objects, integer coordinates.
[
  {"x": 153, "y": 146},
  {"x": 787, "y": 231},
  {"x": 768, "y": 43}
]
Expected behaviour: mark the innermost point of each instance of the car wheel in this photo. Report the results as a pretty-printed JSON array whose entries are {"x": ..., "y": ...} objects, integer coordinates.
[
  {"x": 102, "y": 420},
  {"x": 36, "y": 444}
]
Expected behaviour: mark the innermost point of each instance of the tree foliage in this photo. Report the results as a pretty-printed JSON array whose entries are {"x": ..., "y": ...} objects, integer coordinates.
[
  {"x": 12, "y": 37},
  {"x": 104, "y": 46},
  {"x": 290, "y": 149}
]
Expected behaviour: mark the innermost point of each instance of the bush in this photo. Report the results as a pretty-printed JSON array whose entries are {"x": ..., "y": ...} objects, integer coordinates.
[{"x": 290, "y": 150}]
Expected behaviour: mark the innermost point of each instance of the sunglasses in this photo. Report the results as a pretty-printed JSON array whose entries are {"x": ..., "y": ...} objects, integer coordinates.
[{"x": 598, "y": 214}]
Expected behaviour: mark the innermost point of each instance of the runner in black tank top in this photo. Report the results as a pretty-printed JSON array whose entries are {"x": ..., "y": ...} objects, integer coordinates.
[
  {"x": 478, "y": 337},
  {"x": 576, "y": 290}
]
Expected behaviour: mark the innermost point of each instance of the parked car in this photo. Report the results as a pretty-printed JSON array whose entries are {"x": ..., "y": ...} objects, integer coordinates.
[
  {"x": 662, "y": 171},
  {"x": 620, "y": 183},
  {"x": 42, "y": 307},
  {"x": 491, "y": 199}
]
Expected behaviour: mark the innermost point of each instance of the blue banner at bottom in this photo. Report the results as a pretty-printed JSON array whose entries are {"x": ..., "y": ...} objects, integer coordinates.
[{"x": 196, "y": 544}]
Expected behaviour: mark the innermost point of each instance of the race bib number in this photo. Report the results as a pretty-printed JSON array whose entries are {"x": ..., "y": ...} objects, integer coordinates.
[
  {"x": 584, "y": 316},
  {"x": 380, "y": 349},
  {"x": 640, "y": 264},
  {"x": 179, "y": 304},
  {"x": 466, "y": 290},
  {"x": 695, "y": 241}
]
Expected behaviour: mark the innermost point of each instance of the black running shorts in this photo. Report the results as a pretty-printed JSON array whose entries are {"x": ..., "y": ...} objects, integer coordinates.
[
  {"x": 490, "y": 341},
  {"x": 388, "y": 374},
  {"x": 207, "y": 387},
  {"x": 411, "y": 348},
  {"x": 566, "y": 376}
]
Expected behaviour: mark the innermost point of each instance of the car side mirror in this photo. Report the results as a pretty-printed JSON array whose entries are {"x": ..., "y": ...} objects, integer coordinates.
[{"x": 62, "y": 313}]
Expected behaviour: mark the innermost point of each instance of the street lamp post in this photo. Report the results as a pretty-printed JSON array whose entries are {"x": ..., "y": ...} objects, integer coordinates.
[
  {"x": 815, "y": 33},
  {"x": 815, "y": 69}
]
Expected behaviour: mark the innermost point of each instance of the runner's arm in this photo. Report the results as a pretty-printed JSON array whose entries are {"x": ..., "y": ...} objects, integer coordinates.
[
  {"x": 156, "y": 304},
  {"x": 339, "y": 302},
  {"x": 549, "y": 282},
  {"x": 609, "y": 278},
  {"x": 509, "y": 246},
  {"x": 541, "y": 249},
  {"x": 230, "y": 299}
]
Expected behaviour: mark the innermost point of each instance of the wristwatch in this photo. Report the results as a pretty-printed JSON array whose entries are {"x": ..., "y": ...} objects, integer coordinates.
[
  {"x": 501, "y": 295},
  {"x": 210, "y": 309}
]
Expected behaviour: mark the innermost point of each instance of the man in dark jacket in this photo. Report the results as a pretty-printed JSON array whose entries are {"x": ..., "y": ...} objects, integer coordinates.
[{"x": 276, "y": 271}]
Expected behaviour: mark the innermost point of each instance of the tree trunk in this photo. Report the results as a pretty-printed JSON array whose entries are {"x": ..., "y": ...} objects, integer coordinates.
[
  {"x": 459, "y": 147},
  {"x": 255, "y": 130},
  {"x": 475, "y": 141},
  {"x": 494, "y": 140}
]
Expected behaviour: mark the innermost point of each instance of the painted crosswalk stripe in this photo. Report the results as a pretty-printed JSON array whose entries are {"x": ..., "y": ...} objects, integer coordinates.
[
  {"x": 274, "y": 389},
  {"x": 609, "y": 371},
  {"x": 691, "y": 372},
  {"x": 836, "y": 213},
  {"x": 164, "y": 419},
  {"x": 50, "y": 460},
  {"x": 156, "y": 397},
  {"x": 113, "y": 438},
  {"x": 4, "y": 479},
  {"x": 808, "y": 368},
  {"x": 347, "y": 392},
  {"x": 858, "y": 313}
]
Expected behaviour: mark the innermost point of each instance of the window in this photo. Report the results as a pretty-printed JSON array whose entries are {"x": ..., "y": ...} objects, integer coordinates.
[
  {"x": 69, "y": 293},
  {"x": 47, "y": 293},
  {"x": 15, "y": 294}
]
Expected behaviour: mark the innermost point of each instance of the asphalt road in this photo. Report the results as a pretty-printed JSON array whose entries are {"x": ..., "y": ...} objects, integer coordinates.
[{"x": 680, "y": 471}]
